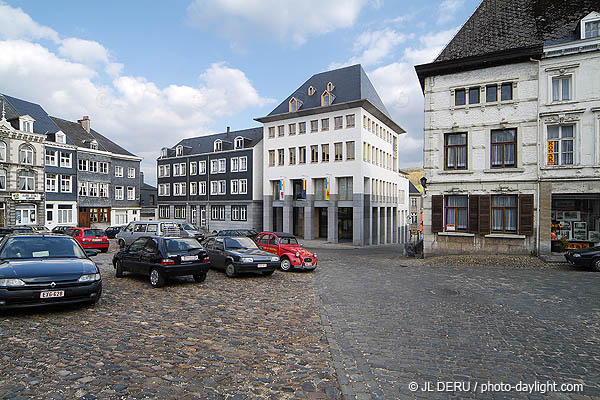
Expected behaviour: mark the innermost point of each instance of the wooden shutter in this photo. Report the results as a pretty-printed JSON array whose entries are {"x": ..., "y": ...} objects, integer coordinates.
[
  {"x": 484, "y": 214},
  {"x": 437, "y": 213},
  {"x": 474, "y": 213},
  {"x": 526, "y": 214}
]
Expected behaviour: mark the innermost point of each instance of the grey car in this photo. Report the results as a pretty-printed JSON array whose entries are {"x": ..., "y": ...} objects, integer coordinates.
[{"x": 138, "y": 229}]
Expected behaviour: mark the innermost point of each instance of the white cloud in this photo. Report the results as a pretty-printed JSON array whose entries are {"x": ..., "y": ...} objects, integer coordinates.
[
  {"x": 131, "y": 110},
  {"x": 447, "y": 10},
  {"x": 84, "y": 51},
  {"x": 16, "y": 24},
  {"x": 373, "y": 47},
  {"x": 289, "y": 21},
  {"x": 430, "y": 47}
]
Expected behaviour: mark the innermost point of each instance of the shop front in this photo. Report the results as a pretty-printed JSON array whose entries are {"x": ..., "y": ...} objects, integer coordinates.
[{"x": 575, "y": 221}]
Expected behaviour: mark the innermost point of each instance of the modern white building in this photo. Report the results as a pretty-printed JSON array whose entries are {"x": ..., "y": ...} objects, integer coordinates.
[
  {"x": 331, "y": 163},
  {"x": 511, "y": 111}
]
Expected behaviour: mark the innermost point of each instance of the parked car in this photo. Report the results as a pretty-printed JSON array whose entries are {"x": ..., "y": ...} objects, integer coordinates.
[
  {"x": 236, "y": 255},
  {"x": 40, "y": 229},
  {"x": 249, "y": 233},
  {"x": 589, "y": 257},
  {"x": 138, "y": 229},
  {"x": 112, "y": 231},
  {"x": 91, "y": 238},
  {"x": 286, "y": 246},
  {"x": 162, "y": 257},
  {"x": 64, "y": 230},
  {"x": 46, "y": 269},
  {"x": 7, "y": 230}
]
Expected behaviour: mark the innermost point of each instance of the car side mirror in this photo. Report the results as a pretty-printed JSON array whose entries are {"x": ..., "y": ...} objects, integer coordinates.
[
  {"x": 91, "y": 252},
  {"x": 301, "y": 245}
]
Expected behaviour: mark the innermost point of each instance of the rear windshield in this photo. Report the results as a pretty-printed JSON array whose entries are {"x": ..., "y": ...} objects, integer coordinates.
[
  {"x": 93, "y": 232},
  {"x": 240, "y": 243},
  {"x": 41, "y": 247},
  {"x": 189, "y": 227},
  {"x": 182, "y": 244}
]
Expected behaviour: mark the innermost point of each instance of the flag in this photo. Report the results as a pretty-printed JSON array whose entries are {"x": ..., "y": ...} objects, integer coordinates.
[
  {"x": 303, "y": 188},
  {"x": 281, "y": 189},
  {"x": 327, "y": 189}
]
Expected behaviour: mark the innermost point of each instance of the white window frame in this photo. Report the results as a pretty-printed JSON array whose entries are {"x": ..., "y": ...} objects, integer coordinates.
[
  {"x": 118, "y": 171},
  {"x": 560, "y": 78},
  {"x": 103, "y": 168},
  {"x": 234, "y": 183},
  {"x": 193, "y": 188},
  {"x": 103, "y": 190},
  {"x": 119, "y": 193},
  {"x": 202, "y": 167},
  {"x": 66, "y": 160},
  {"x": 131, "y": 172},
  {"x": 93, "y": 189},
  {"x": 243, "y": 186},
  {"x": 222, "y": 165},
  {"x": 202, "y": 188},
  {"x": 28, "y": 211},
  {"x": 235, "y": 162},
  {"x": 218, "y": 145},
  {"x": 83, "y": 164},
  {"x": 83, "y": 189},
  {"x": 179, "y": 150},
  {"x": 193, "y": 168},
  {"x": 239, "y": 142},
  {"x": 243, "y": 164},
  {"x": 51, "y": 183},
  {"x": 66, "y": 184},
  {"x": 214, "y": 187},
  {"x": 214, "y": 166},
  {"x": 222, "y": 187},
  {"x": 26, "y": 155},
  {"x": 51, "y": 157},
  {"x": 130, "y": 193}
]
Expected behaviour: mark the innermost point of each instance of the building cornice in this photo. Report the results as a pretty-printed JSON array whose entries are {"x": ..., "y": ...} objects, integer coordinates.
[
  {"x": 108, "y": 153},
  {"x": 364, "y": 103}
]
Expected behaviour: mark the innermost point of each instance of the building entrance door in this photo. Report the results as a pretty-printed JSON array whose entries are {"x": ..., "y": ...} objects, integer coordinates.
[
  {"x": 298, "y": 222},
  {"x": 322, "y": 222},
  {"x": 345, "y": 223}
]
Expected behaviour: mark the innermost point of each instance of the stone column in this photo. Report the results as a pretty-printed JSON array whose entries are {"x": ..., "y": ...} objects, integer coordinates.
[
  {"x": 288, "y": 213},
  {"x": 544, "y": 213},
  {"x": 309, "y": 217},
  {"x": 367, "y": 234},
  {"x": 332, "y": 219},
  {"x": 394, "y": 225},
  {"x": 384, "y": 225},
  {"x": 358, "y": 219},
  {"x": 268, "y": 212},
  {"x": 375, "y": 231}
]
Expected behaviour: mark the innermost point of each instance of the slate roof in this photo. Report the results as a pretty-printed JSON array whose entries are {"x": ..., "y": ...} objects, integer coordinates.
[
  {"x": 412, "y": 189},
  {"x": 205, "y": 144},
  {"x": 16, "y": 107},
  {"x": 148, "y": 187},
  {"x": 350, "y": 84},
  {"x": 81, "y": 138},
  {"x": 500, "y": 31}
]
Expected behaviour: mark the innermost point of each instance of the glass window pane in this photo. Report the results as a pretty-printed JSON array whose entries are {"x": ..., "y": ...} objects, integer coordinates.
[
  {"x": 461, "y": 222},
  {"x": 450, "y": 157},
  {"x": 492, "y": 93},
  {"x": 473, "y": 95},
  {"x": 510, "y": 216},
  {"x": 506, "y": 91},
  {"x": 567, "y": 131},
  {"x": 566, "y": 84},
  {"x": 461, "y": 157},
  {"x": 553, "y": 132},
  {"x": 459, "y": 97},
  {"x": 509, "y": 154},
  {"x": 497, "y": 220},
  {"x": 496, "y": 155},
  {"x": 555, "y": 90}
]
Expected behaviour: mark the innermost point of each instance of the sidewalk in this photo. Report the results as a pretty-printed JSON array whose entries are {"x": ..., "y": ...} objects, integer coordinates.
[{"x": 324, "y": 244}]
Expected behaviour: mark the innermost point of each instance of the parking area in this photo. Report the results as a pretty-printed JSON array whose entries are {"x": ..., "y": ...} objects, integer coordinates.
[
  {"x": 250, "y": 337},
  {"x": 364, "y": 325}
]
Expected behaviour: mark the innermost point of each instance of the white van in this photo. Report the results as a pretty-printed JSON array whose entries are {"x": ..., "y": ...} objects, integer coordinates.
[{"x": 157, "y": 228}]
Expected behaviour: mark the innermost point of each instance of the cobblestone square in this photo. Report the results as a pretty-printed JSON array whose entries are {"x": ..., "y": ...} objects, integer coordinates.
[{"x": 365, "y": 324}]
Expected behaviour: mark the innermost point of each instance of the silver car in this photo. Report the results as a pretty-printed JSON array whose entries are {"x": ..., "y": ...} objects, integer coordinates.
[{"x": 137, "y": 229}]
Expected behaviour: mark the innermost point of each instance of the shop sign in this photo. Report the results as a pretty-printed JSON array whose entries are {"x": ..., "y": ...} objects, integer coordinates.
[
  {"x": 26, "y": 196},
  {"x": 551, "y": 152}
]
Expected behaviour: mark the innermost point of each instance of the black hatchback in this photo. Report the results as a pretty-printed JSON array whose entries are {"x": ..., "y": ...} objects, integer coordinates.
[
  {"x": 236, "y": 255},
  {"x": 585, "y": 257},
  {"x": 163, "y": 257}
]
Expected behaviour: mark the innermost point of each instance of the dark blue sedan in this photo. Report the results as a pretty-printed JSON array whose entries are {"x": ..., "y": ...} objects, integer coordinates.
[{"x": 46, "y": 269}]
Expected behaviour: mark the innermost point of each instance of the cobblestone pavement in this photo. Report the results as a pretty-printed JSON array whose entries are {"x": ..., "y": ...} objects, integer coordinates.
[
  {"x": 390, "y": 325},
  {"x": 253, "y": 337}
]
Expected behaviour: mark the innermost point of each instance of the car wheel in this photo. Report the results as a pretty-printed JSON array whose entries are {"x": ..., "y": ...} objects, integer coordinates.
[
  {"x": 118, "y": 269},
  {"x": 121, "y": 243},
  {"x": 596, "y": 265},
  {"x": 286, "y": 264},
  {"x": 230, "y": 270},
  {"x": 201, "y": 277},
  {"x": 156, "y": 278},
  {"x": 268, "y": 273}
]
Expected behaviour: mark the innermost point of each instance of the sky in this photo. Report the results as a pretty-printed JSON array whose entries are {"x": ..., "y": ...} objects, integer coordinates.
[{"x": 149, "y": 74}]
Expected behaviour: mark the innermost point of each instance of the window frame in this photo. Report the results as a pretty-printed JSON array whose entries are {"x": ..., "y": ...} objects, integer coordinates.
[
  {"x": 456, "y": 209},
  {"x": 504, "y": 208},
  {"x": 447, "y": 146},
  {"x": 503, "y": 145}
]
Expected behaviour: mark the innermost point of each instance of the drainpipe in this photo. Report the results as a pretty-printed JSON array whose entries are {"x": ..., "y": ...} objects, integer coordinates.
[{"x": 538, "y": 171}]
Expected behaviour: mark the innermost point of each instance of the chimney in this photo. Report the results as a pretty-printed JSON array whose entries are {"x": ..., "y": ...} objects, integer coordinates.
[
  {"x": 228, "y": 131},
  {"x": 85, "y": 123}
]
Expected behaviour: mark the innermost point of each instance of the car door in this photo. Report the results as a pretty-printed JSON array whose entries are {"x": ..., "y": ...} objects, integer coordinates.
[
  {"x": 132, "y": 254},
  {"x": 76, "y": 234},
  {"x": 273, "y": 244},
  {"x": 219, "y": 253},
  {"x": 127, "y": 233},
  {"x": 209, "y": 246},
  {"x": 263, "y": 242},
  {"x": 149, "y": 256}
]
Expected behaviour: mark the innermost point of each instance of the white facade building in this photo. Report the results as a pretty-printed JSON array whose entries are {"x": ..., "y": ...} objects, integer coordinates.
[{"x": 331, "y": 163}]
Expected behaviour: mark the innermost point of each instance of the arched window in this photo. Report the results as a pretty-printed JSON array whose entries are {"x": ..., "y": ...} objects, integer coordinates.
[
  {"x": 239, "y": 142},
  {"x": 218, "y": 146},
  {"x": 311, "y": 90},
  {"x": 2, "y": 151},
  {"x": 327, "y": 98},
  {"x": 164, "y": 152},
  {"x": 294, "y": 104},
  {"x": 26, "y": 181},
  {"x": 26, "y": 155},
  {"x": 179, "y": 150},
  {"x": 330, "y": 87},
  {"x": 2, "y": 179}
]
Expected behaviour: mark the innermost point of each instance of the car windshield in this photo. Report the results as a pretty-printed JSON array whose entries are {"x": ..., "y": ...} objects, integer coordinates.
[
  {"x": 182, "y": 244},
  {"x": 189, "y": 227},
  {"x": 288, "y": 240},
  {"x": 240, "y": 243},
  {"x": 41, "y": 247},
  {"x": 93, "y": 233}
]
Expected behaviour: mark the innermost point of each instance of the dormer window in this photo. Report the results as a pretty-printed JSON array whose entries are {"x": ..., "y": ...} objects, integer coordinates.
[
  {"x": 590, "y": 26},
  {"x": 327, "y": 98},
  {"x": 179, "y": 150},
  {"x": 164, "y": 152},
  {"x": 295, "y": 104},
  {"x": 218, "y": 145},
  {"x": 311, "y": 90},
  {"x": 60, "y": 138},
  {"x": 238, "y": 143},
  {"x": 94, "y": 144},
  {"x": 330, "y": 87},
  {"x": 26, "y": 123}
]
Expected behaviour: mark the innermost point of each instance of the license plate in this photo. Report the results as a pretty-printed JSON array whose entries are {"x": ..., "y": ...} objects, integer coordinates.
[
  {"x": 262, "y": 265},
  {"x": 308, "y": 264},
  {"x": 96, "y": 240},
  {"x": 189, "y": 258},
  {"x": 54, "y": 293}
]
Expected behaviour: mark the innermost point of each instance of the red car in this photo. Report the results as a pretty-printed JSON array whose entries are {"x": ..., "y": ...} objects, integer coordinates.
[
  {"x": 91, "y": 238},
  {"x": 286, "y": 246}
]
